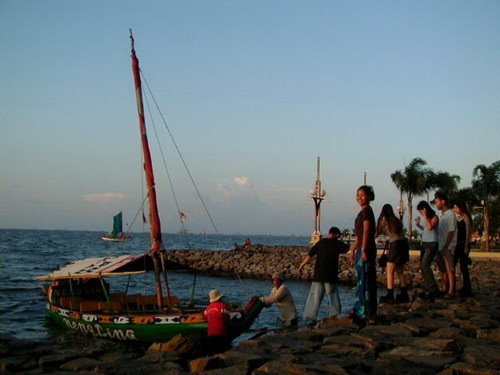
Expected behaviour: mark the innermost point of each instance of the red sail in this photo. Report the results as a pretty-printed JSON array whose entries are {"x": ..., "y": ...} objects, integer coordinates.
[{"x": 154, "y": 217}]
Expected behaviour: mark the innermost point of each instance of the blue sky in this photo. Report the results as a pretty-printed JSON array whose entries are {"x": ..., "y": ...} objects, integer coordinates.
[{"x": 253, "y": 92}]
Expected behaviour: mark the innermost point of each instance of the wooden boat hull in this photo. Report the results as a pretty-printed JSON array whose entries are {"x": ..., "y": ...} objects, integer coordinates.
[{"x": 149, "y": 327}]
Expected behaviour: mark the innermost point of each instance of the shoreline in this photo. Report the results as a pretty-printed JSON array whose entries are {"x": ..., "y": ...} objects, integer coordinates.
[{"x": 457, "y": 336}]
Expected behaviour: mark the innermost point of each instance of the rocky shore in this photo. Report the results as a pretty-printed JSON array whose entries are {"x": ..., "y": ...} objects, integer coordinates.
[{"x": 421, "y": 337}]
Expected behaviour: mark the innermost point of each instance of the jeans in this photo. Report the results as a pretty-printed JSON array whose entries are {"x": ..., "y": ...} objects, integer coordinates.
[
  {"x": 316, "y": 294},
  {"x": 429, "y": 252},
  {"x": 365, "y": 305}
]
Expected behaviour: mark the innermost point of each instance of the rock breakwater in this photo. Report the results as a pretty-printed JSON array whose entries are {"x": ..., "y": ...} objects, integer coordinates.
[
  {"x": 253, "y": 262},
  {"x": 262, "y": 261}
]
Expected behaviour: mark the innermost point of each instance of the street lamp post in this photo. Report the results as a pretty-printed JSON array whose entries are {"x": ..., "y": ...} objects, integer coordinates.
[
  {"x": 401, "y": 208},
  {"x": 317, "y": 195},
  {"x": 483, "y": 236}
]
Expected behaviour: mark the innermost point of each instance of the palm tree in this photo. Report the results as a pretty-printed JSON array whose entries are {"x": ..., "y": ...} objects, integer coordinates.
[
  {"x": 486, "y": 184},
  {"x": 346, "y": 233},
  {"x": 412, "y": 181},
  {"x": 443, "y": 182}
]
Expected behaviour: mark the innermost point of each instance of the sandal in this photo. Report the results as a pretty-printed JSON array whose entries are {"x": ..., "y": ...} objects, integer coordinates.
[{"x": 449, "y": 296}]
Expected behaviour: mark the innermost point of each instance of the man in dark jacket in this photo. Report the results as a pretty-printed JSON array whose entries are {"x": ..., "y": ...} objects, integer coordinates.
[{"x": 325, "y": 278}]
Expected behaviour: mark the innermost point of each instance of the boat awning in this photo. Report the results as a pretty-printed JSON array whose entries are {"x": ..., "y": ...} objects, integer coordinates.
[{"x": 106, "y": 266}]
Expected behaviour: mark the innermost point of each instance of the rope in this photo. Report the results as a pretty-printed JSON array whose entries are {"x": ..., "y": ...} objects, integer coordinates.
[
  {"x": 180, "y": 154},
  {"x": 141, "y": 207},
  {"x": 164, "y": 161}
]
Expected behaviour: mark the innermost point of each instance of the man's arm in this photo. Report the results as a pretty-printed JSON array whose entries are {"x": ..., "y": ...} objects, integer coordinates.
[{"x": 306, "y": 260}]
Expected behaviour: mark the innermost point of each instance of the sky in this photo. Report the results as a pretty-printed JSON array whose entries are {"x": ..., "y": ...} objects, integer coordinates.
[{"x": 253, "y": 93}]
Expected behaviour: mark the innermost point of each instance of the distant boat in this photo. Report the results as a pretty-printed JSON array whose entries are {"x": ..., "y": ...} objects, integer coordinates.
[
  {"x": 116, "y": 233},
  {"x": 80, "y": 298}
]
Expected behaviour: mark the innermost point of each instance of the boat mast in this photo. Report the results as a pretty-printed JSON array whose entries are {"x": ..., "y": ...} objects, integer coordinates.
[{"x": 154, "y": 217}]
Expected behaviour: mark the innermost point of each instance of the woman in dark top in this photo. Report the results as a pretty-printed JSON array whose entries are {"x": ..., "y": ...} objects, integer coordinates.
[
  {"x": 363, "y": 254},
  {"x": 399, "y": 253},
  {"x": 462, "y": 249}
]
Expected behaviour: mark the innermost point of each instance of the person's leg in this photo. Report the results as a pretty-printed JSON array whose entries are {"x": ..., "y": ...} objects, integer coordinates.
[
  {"x": 445, "y": 286},
  {"x": 389, "y": 297},
  {"x": 429, "y": 252},
  {"x": 450, "y": 271},
  {"x": 359, "y": 308},
  {"x": 466, "y": 290},
  {"x": 462, "y": 259},
  {"x": 390, "y": 275},
  {"x": 400, "y": 270},
  {"x": 371, "y": 291},
  {"x": 313, "y": 302},
  {"x": 332, "y": 292},
  {"x": 403, "y": 296}
]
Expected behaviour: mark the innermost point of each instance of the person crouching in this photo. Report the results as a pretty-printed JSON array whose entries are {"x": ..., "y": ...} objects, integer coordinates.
[
  {"x": 281, "y": 296},
  {"x": 217, "y": 315}
]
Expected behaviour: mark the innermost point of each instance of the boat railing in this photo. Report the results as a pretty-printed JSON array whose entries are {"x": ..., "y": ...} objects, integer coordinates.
[{"x": 118, "y": 302}]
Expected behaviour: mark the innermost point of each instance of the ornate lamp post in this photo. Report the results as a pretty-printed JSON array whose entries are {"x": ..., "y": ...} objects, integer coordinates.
[
  {"x": 483, "y": 236},
  {"x": 401, "y": 208},
  {"x": 317, "y": 195}
]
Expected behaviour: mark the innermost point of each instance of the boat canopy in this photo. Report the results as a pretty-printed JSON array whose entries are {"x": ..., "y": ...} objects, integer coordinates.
[{"x": 105, "y": 266}]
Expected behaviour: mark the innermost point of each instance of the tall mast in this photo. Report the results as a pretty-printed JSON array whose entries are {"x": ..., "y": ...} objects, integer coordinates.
[{"x": 154, "y": 217}]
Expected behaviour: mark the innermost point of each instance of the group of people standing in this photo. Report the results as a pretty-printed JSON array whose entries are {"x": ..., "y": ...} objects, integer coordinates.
[{"x": 444, "y": 238}]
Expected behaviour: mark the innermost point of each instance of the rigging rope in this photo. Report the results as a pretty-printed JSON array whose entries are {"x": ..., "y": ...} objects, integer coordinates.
[
  {"x": 164, "y": 160},
  {"x": 180, "y": 154},
  {"x": 141, "y": 207}
]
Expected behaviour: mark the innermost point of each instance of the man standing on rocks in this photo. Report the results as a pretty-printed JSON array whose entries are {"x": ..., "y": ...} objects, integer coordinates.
[
  {"x": 325, "y": 278},
  {"x": 447, "y": 241}
]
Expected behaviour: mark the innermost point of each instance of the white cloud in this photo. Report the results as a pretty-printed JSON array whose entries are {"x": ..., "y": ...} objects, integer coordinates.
[
  {"x": 243, "y": 181},
  {"x": 102, "y": 197}
]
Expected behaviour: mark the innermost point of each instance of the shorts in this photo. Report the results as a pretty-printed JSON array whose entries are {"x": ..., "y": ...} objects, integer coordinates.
[
  {"x": 399, "y": 252},
  {"x": 442, "y": 257}
]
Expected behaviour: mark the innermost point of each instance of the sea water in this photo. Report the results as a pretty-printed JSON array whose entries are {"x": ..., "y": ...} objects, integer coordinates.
[{"x": 26, "y": 254}]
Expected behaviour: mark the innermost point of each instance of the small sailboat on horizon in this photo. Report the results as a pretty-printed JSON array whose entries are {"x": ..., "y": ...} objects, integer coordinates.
[{"x": 117, "y": 234}]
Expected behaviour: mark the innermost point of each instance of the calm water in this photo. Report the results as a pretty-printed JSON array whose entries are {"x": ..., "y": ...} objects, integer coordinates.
[{"x": 25, "y": 254}]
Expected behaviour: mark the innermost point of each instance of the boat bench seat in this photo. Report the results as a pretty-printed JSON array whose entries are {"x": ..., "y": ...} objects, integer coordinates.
[
  {"x": 131, "y": 301},
  {"x": 150, "y": 302},
  {"x": 68, "y": 302},
  {"x": 110, "y": 306},
  {"x": 89, "y": 306},
  {"x": 96, "y": 306}
]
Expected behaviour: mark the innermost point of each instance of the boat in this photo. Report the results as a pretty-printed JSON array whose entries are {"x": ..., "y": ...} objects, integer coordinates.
[
  {"x": 80, "y": 296},
  {"x": 117, "y": 233}
]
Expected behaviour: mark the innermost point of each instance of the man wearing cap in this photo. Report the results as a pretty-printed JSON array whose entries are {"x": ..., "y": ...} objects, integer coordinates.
[
  {"x": 217, "y": 315},
  {"x": 447, "y": 241},
  {"x": 281, "y": 296},
  {"x": 326, "y": 277}
]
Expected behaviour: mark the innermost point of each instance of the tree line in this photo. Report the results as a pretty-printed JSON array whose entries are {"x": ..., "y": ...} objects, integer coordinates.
[{"x": 482, "y": 197}]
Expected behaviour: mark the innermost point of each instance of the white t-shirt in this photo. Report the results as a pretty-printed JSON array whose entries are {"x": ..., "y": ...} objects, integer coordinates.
[
  {"x": 283, "y": 299},
  {"x": 447, "y": 224}
]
